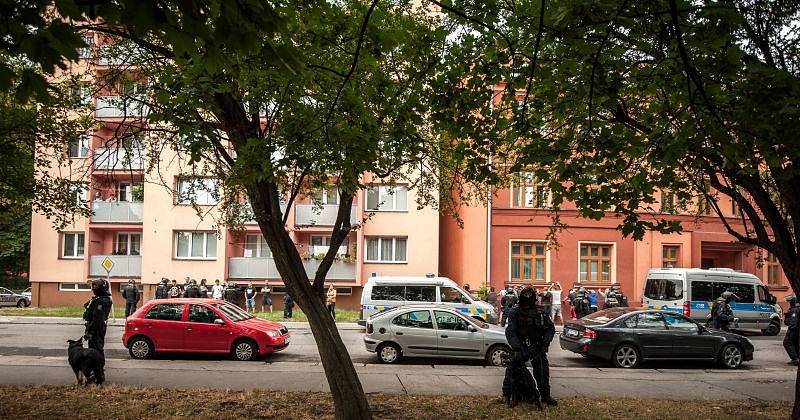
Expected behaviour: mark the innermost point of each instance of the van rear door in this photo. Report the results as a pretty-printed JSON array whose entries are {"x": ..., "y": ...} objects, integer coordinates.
[{"x": 664, "y": 292}]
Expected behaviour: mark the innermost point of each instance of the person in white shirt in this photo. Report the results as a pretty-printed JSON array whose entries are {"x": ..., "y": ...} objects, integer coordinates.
[
  {"x": 216, "y": 290},
  {"x": 555, "y": 290}
]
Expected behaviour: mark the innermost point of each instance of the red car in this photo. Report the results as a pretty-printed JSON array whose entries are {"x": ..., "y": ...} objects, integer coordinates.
[{"x": 201, "y": 326}]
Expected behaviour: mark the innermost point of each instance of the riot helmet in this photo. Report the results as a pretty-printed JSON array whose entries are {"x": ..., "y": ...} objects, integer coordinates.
[
  {"x": 100, "y": 287},
  {"x": 527, "y": 297},
  {"x": 792, "y": 300}
]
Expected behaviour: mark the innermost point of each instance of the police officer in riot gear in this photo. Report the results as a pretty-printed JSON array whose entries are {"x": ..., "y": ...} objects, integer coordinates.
[
  {"x": 96, "y": 315},
  {"x": 529, "y": 334},
  {"x": 722, "y": 317},
  {"x": 792, "y": 320},
  {"x": 162, "y": 290},
  {"x": 581, "y": 303}
]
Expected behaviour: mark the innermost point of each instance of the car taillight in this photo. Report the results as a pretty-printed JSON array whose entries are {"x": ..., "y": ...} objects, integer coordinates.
[
  {"x": 360, "y": 311},
  {"x": 687, "y": 308},
  {"x": 369, "y": 328},
  {"x": 589, "y": 334}
]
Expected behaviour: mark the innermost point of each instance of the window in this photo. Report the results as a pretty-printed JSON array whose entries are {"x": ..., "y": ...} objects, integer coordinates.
[
  {"x": 530, "y": 191},
  {"x": 702, "y": 291},
  {"x": 72, "y": 245},
  {"x": 255, "y": 246},
  {"x": 734, "y": 208},
  {"x": 387, "y": 198},
  {"x": 80, "y": 94},
  {"x": 86, "y": 52},
  {"x": 125, "y": 192},
  {"x": 663, "y": 289},
  {"x": 421, "y": 293},
  {"x": 629, "y": 322},
  {"x": 344, "y": 291},
  {"x": 78, "y": 193},
  {"x": 200, "y": 191},
  {"x": 388, "y": 293},
  {"x": 650, "y": 321},
  {"x": 415, "y": 319},
  {"x": 324, "y": 196},
  {"x": 595, "y": 263},
  {"x": 74, "y": 287},
  {"x": 380, "y": 249},
  {"x": 453, "y": 295},
  {"x": 745, "y": 292},
  {"x": 773, "y": 270},
  {"x": 667, "y": 202},
  {"x": 669, "y": 256},
  {"x": 679, "y": 323},
  {"x": 202, "y": 314},
  {"x": 195, "y": 245},
  {"x": 79, "y": 147},
  {"x": 166, "y": 312},
  {"x": 449, "y": 321},
  {"x": 528, "y": 261},
  {"x": 233, "y": 312},
  {"x": 128, "y": 244},
  {"x": 704, "y": 200},
  {"x": 320, "y": 244}
]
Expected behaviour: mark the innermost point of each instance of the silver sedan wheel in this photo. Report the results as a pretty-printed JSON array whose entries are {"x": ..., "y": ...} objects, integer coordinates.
[
  {"x": 497, "y": 356},
  {"x": 244, "y": 351},
  {"x": 731, "y": 356},
  {"x": 626, "y": 357},
  {"x": 389, "y": 354}
]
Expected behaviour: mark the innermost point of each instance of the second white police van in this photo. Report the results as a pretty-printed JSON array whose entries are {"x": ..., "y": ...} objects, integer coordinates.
[
  {"x": 692, "y": 291},
  {"x": 381, "y": 293}
]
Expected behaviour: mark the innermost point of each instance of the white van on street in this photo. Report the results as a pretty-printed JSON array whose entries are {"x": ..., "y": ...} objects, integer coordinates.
[
  {"x": 691, "y": 291},
  {"x": 381, "y": 293}
]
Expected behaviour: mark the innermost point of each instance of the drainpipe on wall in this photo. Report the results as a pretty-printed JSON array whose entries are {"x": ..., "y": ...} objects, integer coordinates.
[{"x": 489, "y": 232}]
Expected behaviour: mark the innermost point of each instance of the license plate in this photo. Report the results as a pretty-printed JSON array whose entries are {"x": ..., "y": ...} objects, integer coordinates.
[{"x": 571, "y": 332}]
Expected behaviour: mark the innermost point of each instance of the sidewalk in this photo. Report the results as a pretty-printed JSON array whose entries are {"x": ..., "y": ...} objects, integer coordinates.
[
  {"x": 54, "y": 320},
  {"x": 672, "y": 384}
]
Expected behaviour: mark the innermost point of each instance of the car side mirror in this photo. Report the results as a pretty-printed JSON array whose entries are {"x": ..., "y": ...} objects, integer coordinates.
[
  {"x": 472, "y": 329},
  {"x": 219, "y": 322}
]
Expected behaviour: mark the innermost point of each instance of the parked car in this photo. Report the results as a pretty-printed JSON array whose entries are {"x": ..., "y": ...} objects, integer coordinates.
[
  {"x": 628, "y": 336},
  {"x": 9, "y": 298},
  {"x": 27, "y": 294},
  {"x": 433, "y": 331},
  {"x": 201, "y": 326}
]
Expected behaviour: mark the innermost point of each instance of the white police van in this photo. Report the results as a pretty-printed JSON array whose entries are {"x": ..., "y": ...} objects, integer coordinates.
[
  {"x": 692, "y": 291},
  {"x": 381, "y": 293}
]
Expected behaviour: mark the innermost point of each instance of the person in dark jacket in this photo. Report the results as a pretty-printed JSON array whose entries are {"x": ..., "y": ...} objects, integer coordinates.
[
  {"x": 507, "y": 302},
  {"x": 96, "y": 314},
  {"x": 288, "y": 305},
  {"x": 792, "y": 340},
  {"x": 529, "y": 333},
  {"x": 132, "y": 296},
  {"x": 162, "y": 290},
  {"x": 232, "y": 293},
  {"x": 722, "y": 316},
  {"x": 203, "y": 289}
]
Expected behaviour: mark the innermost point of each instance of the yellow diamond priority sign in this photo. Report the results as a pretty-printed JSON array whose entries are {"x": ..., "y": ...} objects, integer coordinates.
[{"x": 107, "y": 264}]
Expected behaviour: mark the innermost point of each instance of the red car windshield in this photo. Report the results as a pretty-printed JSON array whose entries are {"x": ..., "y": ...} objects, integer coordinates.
[{"x": 235, "y": 313}]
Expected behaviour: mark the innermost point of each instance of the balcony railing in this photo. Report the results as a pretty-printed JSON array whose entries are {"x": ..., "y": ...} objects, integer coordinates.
[
  {"x": 120, "y": 106},
  {"x": 124, "y": 265},
  {"x": 118, "y": 159},
  {"x": 323, "y": 249},
  {"x": 310, "y": 215},
  {"x": 117, "y": 212},
  {"x": 264, "y": 268}
]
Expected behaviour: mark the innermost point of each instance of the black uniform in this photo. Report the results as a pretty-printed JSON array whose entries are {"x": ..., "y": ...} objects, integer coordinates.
[
  {"x": 288, "y": 305},
  {"x": 162, "y": 291},
  {"x": 231, "y": 294},
  {"x": 529, "y": 334},
  {"x": 722, "y": 317},
  {"x": 792, "y": 340},
  {"x": 507, "y": 302},
  {"x": 580, "y": 302},
  {"x": 131, "y": 295},
  {"x": 96, "y": 314}
]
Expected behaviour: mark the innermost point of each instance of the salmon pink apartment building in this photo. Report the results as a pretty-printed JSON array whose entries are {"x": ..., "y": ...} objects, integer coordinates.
[{"x": 146, "y": 221}]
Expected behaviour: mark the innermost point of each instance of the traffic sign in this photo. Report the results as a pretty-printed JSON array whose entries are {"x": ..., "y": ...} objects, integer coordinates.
[{"x": 107, "y": 264}]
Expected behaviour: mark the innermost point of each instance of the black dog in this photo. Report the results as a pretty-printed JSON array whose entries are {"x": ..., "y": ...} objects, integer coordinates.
[
  {"x": 523, "y": 386},
  {"x": 86, "y": 363}
]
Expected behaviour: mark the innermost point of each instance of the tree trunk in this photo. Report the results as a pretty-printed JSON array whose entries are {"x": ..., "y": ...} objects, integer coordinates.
[{"x": 349, "y": 399}]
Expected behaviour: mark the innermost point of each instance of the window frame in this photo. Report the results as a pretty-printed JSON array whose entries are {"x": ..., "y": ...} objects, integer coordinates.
[
  {"x": 430, "y": 319},
  {"x": 188, "y": 201},
  {"x": 668, "y": 202},
  {"x": 540, "y": 192},
  {"x": 76, "y": 287},
  {"x": 325, "y": 196},
  {"x": 612, "y": 275},
  {"x": 75, "y": 256},
  {"x": 772, "y": 269},
  {"x": 81, "y": 139},
  {"x": 380, "y": 259},
  {"x": 384, "y": 192},
  {"x": 128, "y": 243},
  {"x": 533, "y": 257},
  {"x": 261, "y": 245},
  {"x": 676, "y": 261},
  {"x": 191, "y": 233}
]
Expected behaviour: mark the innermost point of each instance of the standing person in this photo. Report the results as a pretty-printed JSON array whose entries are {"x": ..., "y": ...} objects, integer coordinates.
[
  {"x": 250, "y": 298},
  {"x": 266, "y": 299},
  {"x": 162, "y": 290},
  {"x": 792, "y": 340},
  {"x": 592, "y": 295},
  {"x": 131, "y": 295},
  {"x": 96, "y": 314},
  {"x": 174, "y": 290},
  {"x": 507, "y": 302},
  {"x": 203, "y": 289},
  {"x": 232, "y": 293},
  {"x": 529, "y": 334},
  {"x": 288, "y": 305},
  {"x": 569, "y": 299},
  {"x": 555, "y": 290},
  {"x": 216, "y": 290},
  {"x": 491, "y": 297},
  {"x": 546, "y": 299},
  {"x": 722, "y": 314},
  {"x": 330, "y": 299}
]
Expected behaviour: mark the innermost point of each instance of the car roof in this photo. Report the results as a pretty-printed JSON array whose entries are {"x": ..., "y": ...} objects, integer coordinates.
[
  {"x": 410, "y": 280},
  {"x": 186, "y": 300}
]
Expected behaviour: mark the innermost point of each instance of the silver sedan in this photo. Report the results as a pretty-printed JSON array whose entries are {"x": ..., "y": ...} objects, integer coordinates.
[{"x": 433, "y": 331}]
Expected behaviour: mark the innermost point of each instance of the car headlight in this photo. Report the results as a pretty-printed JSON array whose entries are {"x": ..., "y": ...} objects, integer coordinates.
[{"x": 274, "y": 334}]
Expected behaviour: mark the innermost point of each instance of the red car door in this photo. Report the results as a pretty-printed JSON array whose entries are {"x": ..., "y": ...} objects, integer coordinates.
[
  {"x": 204, "y": 334},
  {"x": 164, "y": 324}
]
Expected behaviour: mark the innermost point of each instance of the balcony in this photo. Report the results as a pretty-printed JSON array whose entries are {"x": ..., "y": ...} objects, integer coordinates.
[
  {"x": 117, "y": 212},
  {"x": 120, "y": 107},
  {"x": 323, "y": 249},
  {"x": 264, "y": 268},
  {"x": 124, "y": 265},
  {"x": 312, "y": 215},
  {"x": 118, "y": 159}
]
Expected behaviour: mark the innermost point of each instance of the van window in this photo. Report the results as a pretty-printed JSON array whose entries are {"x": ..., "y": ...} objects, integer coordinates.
[
  {"x": 762, "y": 294},
  {"x": 702, "y": 291},
  {"x": 388, "y": 292},
  {"x": 746, "y": 292},
  {"x": 421, "y": 293},
  {"x": 663, "y": 289},
  {"x": 453, "y": 295}
]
